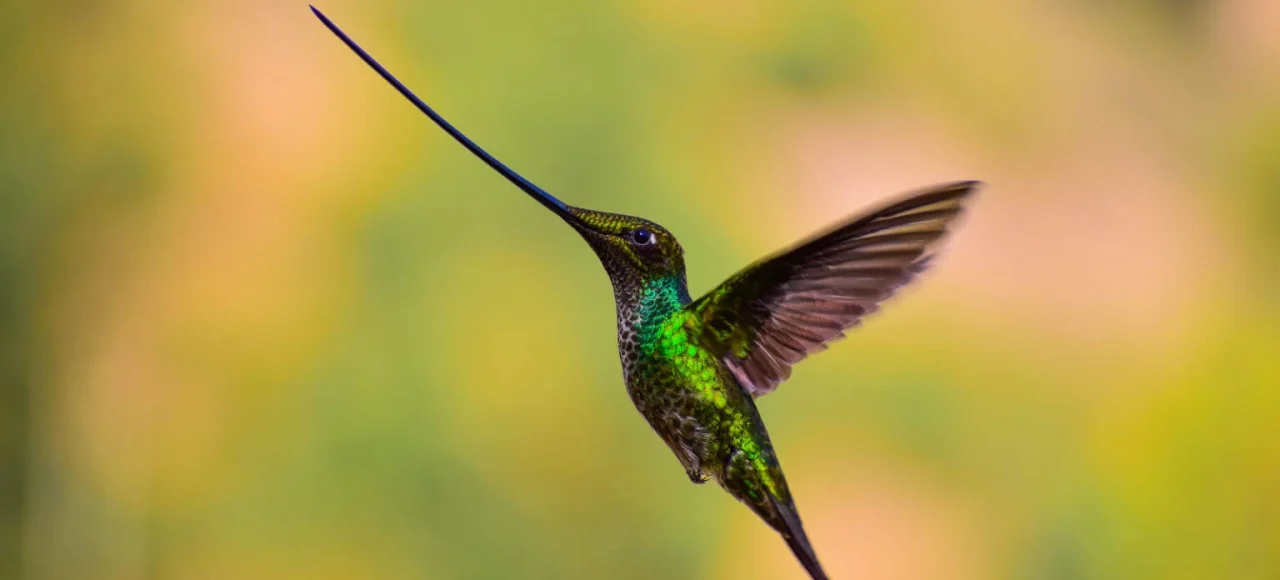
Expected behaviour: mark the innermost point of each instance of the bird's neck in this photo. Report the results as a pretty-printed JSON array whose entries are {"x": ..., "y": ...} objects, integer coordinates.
[{"x": 643, "y": 305}]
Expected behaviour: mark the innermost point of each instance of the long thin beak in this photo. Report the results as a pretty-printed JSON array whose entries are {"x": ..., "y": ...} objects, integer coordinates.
[{"x": 534, "y": 191}]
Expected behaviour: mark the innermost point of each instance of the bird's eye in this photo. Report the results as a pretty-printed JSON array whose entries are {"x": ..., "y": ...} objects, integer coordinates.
[{"x": 642, "y": 237}]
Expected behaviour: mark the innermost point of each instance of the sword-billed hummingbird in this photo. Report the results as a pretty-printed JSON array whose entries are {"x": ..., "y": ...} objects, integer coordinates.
[{"x": 693, "y": 368}]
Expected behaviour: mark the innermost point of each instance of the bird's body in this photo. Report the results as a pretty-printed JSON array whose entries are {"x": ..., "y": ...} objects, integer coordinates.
[
  {"x": 692, "y": 400},
  {"x": 693, "y": 368}
]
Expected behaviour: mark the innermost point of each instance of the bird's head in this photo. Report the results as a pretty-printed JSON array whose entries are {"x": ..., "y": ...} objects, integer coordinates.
[{"x": 629, "y": 247}]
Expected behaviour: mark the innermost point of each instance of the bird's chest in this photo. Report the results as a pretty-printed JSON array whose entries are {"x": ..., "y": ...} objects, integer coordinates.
[
  {"x": 655, "y": 386},
  {"x": 643, "y": 376},
  {"x": 667, "y": 374}
]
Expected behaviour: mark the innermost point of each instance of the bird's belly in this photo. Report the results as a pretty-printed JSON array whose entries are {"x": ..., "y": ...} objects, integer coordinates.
[{"x": 690, "y": 402}]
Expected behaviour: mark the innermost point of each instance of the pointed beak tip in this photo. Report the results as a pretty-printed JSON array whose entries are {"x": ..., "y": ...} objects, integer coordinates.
[{"x": 565, "y": 211}]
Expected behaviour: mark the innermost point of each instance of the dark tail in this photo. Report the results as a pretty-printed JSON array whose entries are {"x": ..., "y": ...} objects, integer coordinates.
[{"x": 793, "y": 532}]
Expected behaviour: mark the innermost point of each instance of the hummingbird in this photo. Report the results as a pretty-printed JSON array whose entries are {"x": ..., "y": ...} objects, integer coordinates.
[{"x": 693, "y": 368}]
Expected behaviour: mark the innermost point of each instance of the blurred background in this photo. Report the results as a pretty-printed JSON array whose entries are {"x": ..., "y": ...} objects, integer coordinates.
[{"x": 260, "y": 319}]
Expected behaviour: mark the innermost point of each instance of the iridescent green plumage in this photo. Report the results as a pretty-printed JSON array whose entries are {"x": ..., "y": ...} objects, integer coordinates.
[
  {"x": 694, "y": 368},
  {"x": 678, "y": 379}
]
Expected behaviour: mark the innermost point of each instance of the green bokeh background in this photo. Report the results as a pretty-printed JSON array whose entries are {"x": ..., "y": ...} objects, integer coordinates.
[{"x": 260, "y": 319}]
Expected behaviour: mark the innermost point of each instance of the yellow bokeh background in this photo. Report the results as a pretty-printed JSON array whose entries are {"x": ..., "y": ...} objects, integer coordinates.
[{"x": 260, "y": 319}]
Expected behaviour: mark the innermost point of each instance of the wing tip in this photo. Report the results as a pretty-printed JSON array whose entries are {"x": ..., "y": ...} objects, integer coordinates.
[
  {"x": 964, "y": 192},
  {"x": 967, "y": 186},
  {"x": 952, "y": 190}
]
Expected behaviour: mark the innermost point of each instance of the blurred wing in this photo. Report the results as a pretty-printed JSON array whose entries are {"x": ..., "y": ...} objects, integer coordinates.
[{"x": 777, "y": 311}]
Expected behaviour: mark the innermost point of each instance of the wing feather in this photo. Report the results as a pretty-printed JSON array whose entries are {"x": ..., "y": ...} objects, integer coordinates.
[{"x": 774, "y": 313}]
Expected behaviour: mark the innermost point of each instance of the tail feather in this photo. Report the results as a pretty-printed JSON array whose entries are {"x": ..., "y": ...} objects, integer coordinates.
[{"x": 793, "y": 532}]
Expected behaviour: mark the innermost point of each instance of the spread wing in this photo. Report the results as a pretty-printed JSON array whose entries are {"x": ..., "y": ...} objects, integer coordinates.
[{"x": 779, "y": 310}]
